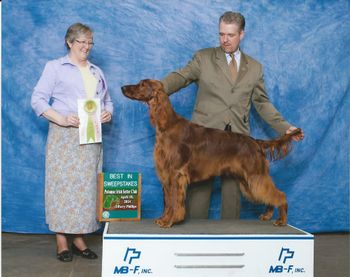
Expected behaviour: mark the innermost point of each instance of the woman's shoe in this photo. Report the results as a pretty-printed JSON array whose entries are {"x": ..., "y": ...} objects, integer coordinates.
[
  {"x": 65, "y": 256},
  {"x": 87, "y": 253}
]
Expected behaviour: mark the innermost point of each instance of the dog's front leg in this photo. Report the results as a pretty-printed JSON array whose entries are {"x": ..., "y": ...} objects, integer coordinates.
[
  {"x": 164, "y": 220},
  {"x": 180, "y": 183}
]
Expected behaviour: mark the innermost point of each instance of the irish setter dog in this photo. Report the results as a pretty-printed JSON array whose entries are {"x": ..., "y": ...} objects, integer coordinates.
[{"x": 186, "y": 153}]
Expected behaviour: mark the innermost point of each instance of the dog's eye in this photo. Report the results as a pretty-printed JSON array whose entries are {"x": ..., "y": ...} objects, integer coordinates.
[{"x": 143, "y": 83}]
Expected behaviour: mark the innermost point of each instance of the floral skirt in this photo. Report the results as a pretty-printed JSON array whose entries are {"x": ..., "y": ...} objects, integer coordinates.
[{"x": 71, "y": 181}]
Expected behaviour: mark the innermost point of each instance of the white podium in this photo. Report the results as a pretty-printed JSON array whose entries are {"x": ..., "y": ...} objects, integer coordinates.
[{"x": 206, "y": 248}]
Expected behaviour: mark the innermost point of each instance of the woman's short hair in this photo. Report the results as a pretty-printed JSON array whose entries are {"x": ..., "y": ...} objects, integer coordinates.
[
  {"x": 233, "y": 18},
  {"x": 76, "y": 30}
]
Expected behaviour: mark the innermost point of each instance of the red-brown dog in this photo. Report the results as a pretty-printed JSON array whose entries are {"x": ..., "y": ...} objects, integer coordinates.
[{"x": 186, "y": 153}]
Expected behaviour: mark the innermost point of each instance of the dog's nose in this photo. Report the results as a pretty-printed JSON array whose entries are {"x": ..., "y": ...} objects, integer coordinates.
[{"x": 123, "y": 89}]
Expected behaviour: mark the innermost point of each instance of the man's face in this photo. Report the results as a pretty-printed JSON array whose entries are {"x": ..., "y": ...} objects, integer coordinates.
[{"x": 230, "y": 37}]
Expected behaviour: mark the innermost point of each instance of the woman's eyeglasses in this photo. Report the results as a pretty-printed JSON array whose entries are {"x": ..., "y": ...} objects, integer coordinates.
[{"x": 87, "y": 43}]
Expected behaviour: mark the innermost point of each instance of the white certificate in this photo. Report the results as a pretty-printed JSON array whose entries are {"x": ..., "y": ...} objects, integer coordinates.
[{"x": 89, "y": 112}]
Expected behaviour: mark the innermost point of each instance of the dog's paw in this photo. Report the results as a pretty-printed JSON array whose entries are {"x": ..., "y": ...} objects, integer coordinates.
[
  {"x": 279, "y": 222},
  {"x": 264, "y": 217},
  {"x": 162, "y": 223}
]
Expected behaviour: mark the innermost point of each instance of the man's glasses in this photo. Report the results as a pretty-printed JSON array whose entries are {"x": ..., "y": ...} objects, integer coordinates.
[{"x": 87, "y": 43}]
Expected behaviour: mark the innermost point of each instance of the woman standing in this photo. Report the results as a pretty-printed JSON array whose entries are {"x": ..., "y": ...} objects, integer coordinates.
[{"x": 71, "y": 169}]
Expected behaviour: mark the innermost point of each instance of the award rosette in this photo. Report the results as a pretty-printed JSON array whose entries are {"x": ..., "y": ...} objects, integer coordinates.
[{"x": 89, "y": 111}]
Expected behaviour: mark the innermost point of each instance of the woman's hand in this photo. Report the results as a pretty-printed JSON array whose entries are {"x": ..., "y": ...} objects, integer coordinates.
[
  {"x": 71, "y": 120},
  {"x": 64, "y": 121},
  {"x": 106, "y": 116}
]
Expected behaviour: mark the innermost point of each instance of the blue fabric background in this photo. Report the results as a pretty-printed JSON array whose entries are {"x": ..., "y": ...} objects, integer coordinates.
[{"x": 303, "y": 45}]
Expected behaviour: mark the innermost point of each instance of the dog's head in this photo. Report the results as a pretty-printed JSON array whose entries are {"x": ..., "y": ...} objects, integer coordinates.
[
  {"x": 152, "y": 92},
  {"x": 144, "y": 91}
]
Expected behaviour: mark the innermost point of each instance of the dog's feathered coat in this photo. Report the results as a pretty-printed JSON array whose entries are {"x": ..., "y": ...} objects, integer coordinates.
[{"x": 186, "y": 153}]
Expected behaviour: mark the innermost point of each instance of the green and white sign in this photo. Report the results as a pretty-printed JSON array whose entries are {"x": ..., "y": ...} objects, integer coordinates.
[{"x": 119, "y": 196}]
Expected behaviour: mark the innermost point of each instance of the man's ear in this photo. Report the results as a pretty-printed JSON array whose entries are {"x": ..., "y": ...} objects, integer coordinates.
[{"x": 241, "y": 35}]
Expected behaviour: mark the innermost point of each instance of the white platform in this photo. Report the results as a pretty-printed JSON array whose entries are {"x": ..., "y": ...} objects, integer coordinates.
[{"x": 206, "y": 248}]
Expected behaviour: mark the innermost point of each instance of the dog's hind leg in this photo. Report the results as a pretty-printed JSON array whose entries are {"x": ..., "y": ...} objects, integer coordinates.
[
  {"x": 282, "y": 215},
  {"x": 244, "y": 187},
  {"x": 268, "y": 213},
  {"x": 264, "y": 190}
]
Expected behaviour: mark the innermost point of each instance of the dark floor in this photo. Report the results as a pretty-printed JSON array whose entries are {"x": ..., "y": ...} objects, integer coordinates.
[{"x": 34, "y": 256}]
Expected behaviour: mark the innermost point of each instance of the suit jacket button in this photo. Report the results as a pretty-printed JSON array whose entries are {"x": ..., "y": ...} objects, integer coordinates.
[{"x": 232, "y": 90}]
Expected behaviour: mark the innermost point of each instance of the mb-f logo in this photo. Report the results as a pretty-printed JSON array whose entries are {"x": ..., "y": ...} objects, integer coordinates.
[
  {"x": 285, "y": 258},
  {"x": 129, "y": 267}
]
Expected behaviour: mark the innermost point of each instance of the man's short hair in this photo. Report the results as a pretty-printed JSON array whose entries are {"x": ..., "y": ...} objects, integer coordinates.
[{"x": 233, "y": 18}]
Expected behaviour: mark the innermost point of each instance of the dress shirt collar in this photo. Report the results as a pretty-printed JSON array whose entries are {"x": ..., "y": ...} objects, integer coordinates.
[
  {"x": 237, "y": 55},
  {"x": 66, "y": 60}
]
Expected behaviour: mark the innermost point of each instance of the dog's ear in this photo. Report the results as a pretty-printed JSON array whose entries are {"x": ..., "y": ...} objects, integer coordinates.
[
  {"x": 157, "y": 85},
  {"x": 161, "y": 111}
]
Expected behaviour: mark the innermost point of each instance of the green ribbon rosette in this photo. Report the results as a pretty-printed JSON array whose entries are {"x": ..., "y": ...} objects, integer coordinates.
[{"x": 90, "y": 108}]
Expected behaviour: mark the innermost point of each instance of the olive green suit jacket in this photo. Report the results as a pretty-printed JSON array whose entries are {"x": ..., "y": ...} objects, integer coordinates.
[{"x": 221, "y": 100}]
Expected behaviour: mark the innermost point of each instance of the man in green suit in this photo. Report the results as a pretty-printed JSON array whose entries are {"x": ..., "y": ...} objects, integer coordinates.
[{"x": 229, "y": 81}]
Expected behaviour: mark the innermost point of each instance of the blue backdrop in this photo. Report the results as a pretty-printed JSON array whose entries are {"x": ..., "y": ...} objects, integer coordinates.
[{"x": 303, "y": 45}]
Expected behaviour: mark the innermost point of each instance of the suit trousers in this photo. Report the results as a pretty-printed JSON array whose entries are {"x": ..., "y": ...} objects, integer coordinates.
[{"x": 199, "y": 194}]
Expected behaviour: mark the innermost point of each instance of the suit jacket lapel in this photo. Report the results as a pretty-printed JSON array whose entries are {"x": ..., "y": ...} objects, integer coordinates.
[
  {"x": 222, "y": 63},
  {"x": 243, "y": 67}
]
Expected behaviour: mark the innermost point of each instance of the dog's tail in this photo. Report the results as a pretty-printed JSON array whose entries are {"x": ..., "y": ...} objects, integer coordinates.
[{"x": 277, "y": 149}]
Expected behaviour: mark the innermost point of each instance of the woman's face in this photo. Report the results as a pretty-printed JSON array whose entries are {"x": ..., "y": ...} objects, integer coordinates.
[{"x": 81, "y": 47}]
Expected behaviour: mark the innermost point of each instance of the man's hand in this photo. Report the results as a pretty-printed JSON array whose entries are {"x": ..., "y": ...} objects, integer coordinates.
[{"x": 295, "y": 137}]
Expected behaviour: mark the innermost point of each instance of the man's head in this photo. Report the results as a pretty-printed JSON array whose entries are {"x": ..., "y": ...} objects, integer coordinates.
[{"x": 231, "y": 31}]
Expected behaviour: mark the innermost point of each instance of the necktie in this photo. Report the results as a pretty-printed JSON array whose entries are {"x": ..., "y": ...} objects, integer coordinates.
[{"x": 233, "y": 67}]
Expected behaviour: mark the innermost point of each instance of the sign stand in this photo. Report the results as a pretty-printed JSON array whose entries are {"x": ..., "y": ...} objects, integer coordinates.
[{"x": 206, "y": 248}]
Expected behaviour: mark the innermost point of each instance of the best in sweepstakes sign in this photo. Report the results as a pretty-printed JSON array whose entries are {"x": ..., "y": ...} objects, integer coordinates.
[{"x": 119, "y": 196}]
